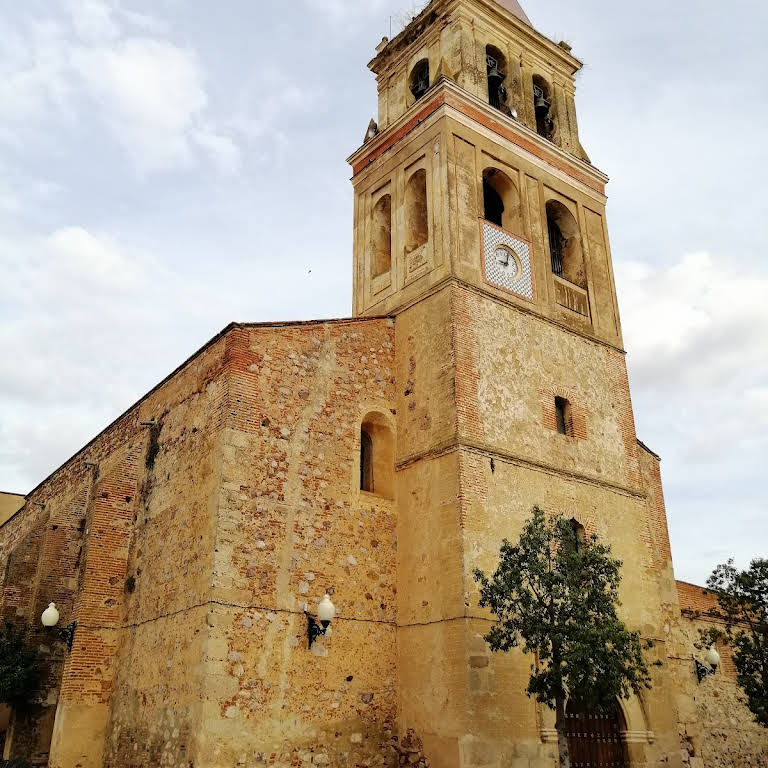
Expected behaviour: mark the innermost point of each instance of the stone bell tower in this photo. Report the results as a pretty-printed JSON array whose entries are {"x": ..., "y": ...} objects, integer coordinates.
[{"x": 480, "y": 225}]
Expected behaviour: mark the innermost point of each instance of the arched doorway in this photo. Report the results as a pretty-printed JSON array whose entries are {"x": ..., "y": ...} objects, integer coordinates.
[{"x": 594, "y": 739}]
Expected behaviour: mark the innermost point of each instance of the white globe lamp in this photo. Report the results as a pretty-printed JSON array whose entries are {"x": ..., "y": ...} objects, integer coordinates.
[{"x": 50, "y": 617}]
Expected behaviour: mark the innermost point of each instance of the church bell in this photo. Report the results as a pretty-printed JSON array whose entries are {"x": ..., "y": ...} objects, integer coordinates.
[
  {"x": 541, "y": 103},
  {"x": 495, "y": 75}
]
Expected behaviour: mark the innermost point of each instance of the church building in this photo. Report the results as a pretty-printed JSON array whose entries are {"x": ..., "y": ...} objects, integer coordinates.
[{"x": 378, "y": 460}]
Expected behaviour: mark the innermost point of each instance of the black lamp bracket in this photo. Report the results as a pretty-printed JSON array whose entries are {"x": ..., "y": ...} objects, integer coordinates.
[
  {"x": 315, "y": 629},
  {"x": 703, "y": 671},
  {"x": 66, "y": 634}
]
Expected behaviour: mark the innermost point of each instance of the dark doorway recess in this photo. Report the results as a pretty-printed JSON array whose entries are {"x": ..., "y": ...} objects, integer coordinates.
[{"x": 594, "y": 738}]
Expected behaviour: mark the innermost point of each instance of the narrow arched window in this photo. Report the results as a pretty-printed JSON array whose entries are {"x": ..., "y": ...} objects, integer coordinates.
[
  {"x": 542, "y": 104},
  {"x": 416, "y": 214},
  {"x": 496, "y": 69},
  {"x": 501, "y": 201},
  {"x": 563, "y": 416},
  {"x": 565, "y": 248},
  {"x": 579, "y": 534},
  {"x": 420, "y": 79},
  {"x": 366, "y": 462},
  {"x": 381, "y": 246},
  {"x": 377, "y": 456}
]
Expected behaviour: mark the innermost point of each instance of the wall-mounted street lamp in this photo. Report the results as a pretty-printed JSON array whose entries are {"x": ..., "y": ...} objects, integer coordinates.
[
  {"x": 702, "y": 670},
  {"x": 50, "y": 619},
  {"x": 317, "y": 627}
]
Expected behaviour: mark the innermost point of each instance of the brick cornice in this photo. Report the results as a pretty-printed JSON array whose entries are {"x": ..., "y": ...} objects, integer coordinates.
[{"x": 445, "y": 93}]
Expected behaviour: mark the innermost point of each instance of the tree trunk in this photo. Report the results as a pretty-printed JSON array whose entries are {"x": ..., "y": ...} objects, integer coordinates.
[{"x": 562, "y": 735}]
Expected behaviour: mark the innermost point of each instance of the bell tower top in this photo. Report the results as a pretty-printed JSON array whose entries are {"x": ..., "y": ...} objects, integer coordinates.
[
  {"x": 514, "y": 7},
  {"x": 475, "y": 178},
  {"x": 490, "y": 49}
]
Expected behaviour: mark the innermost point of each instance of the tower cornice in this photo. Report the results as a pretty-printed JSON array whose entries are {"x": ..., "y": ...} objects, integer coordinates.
[{"x": 446, "y": 97}]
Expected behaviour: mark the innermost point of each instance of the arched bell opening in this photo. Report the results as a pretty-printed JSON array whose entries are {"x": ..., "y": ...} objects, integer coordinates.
[
  {"x": 501, "y": 201},
  {"x": 419, "y": 80},
  {"x": 542, "y": 105},
  {"x": 496, "y": 71},
  {"x": 565, "y": 249}
]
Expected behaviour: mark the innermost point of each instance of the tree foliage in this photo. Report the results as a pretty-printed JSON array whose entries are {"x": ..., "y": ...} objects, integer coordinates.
[
  {"x": 742, "y": 607},
  {"x": 20, "y": 668},
  {"x": 555, "y": 595}
]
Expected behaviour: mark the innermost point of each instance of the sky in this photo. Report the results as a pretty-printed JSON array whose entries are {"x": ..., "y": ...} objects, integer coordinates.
[{"x": 169, "y": 166}]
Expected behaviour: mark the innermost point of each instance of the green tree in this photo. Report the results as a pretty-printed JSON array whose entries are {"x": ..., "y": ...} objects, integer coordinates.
[
  {"x": 555, "y": 594},
  {"x": 742, "y": 607},
  {"x": 20, "y": 668}
]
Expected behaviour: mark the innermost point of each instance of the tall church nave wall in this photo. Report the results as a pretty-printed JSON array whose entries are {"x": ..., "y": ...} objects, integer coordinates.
[
  {"x": 292, "y": 524},
  {"x": 116, "y": 537}
]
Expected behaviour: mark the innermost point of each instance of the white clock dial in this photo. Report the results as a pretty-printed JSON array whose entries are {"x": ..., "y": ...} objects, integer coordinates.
[{"x": 506, "y": 261}]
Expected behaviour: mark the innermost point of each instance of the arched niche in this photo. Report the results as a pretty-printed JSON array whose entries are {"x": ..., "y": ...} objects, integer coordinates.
[
  {"x": 565, "y": 248},
  {"x": 377, "y": 456},
  {"x": 416, "y": 211},
  {"x": 501, "y": 201},
  {"x": 381, "y": 236}
]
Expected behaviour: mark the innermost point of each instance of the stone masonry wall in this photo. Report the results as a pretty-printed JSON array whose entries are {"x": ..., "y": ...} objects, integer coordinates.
[
  {"x": 717, "y": 729},
  {"x": 293, "y": 524},
  {"x": 510, "y": 368}
]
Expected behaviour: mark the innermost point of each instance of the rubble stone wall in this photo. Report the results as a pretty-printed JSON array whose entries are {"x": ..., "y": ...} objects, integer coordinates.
[
  {"x": 716, "y": 727},
  {"x": 292, "y": 524}
]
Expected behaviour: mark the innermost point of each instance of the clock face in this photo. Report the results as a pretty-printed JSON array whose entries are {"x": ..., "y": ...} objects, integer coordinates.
[{"x": 506, "y": 261}]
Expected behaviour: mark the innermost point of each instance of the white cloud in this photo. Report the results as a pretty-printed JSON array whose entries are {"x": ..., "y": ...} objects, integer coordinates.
[
  {"x": 698, "y": 362},
  {"x": 348, "y": 11},
  {"x": 695, "y": 332},
  {"x": 32, "y": 76},
  {"x": 79, "y": 255},
  {"x": 94, "y": 20},
  {"x": 152, "y": 96},
  {"x": 698, "y": 323},
  {"x": 222, "y": 149},
  {"x": 148, "y": 91}
]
